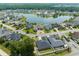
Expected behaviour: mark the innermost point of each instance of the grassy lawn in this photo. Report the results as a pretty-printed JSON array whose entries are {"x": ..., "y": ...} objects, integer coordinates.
[
  {"x": 76, "y": 28},
  {"x": 8, "y": 24},
  {"x": 29, "y": 31},
  {"x": 47, "y": 50},
  {"x": 57, "y": 54},
  {"x": 18, "y": 27},
  {"x": 62, "y": 29},
  {"x": 5, "y": 49},
  {"x": 0, "y": 26},
  {"x": 52, "y": 30},
  {"x": 24, "y": 30},
  {"x": 23, "y": 19},
  {"x": 46, "y": 31}
]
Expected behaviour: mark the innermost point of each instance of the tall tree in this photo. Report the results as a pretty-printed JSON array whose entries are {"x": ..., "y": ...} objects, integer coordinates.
[{"x": 24, "y": 47}]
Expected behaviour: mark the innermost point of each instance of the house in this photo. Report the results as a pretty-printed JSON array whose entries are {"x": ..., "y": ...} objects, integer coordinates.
[
  {"x": 61, "y": 27},
  {"x": 48, "y": 27},
  {"x": 42, "y": 45},
  {"x": 55, "y": 25},
  {"x": 49, "y": 42},
  {"x": 74, "y": 22},
  {"x": 16, "y": 23},
  {"x": 55, "y": 43},
  {"x": 68, "y": 24},
  {"x": 38, "y": 27},
  {"x": 13, "y": 36},
  {"x": 75, "y": 35},
  {"x": 5, "y": 21},
  {"x": 9, "y": 35},
  {"x": 4, "y": 32},
  {"x": 28, "y": 26},
  {"x": 15, "y": 18}
]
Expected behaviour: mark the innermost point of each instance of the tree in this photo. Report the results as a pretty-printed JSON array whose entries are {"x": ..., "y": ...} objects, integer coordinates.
[
  {"x": 11, "y": 45},
  {"x": 1, "y": 40},
  {"x": 28, "y": 46},
  {"x": 24, "y": 47}
]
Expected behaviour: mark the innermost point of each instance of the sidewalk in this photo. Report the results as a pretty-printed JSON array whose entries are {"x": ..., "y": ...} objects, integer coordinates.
[{"x": 2, "y": 53}]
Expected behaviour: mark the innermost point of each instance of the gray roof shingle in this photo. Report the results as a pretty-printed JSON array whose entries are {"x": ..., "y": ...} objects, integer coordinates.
[
  {"x": 42, "y": 44},
  {"x": 4, "y": 32},
  {"x": 14, "y": 36},
  {"x": 55, "y": 43}
]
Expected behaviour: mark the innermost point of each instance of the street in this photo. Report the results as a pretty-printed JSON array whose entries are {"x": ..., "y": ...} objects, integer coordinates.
[
  {"x": 74, "y": 46},
  {"x": 44, "y": 34}
]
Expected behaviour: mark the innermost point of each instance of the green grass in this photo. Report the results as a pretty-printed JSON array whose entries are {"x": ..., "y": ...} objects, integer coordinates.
[
  {"x": 47, "y": 50},
  {"x": 62, "y": 29},
  {"x": 23, "y": 19},
  {"x": 57, "y": 54},
  {"x": 52, "y": 30},
  {"x": 29, "y": 31},
  {"x": 5, "y": 49},
  {"x": 0, "y": 26},
  {"x": 46, "y": 31}
]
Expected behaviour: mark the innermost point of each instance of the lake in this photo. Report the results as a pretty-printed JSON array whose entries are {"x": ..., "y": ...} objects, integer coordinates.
[{"x": 36, "y": 19}]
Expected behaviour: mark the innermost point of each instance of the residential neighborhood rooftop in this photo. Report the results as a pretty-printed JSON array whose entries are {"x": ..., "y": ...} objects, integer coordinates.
[
  {"x": 42, "y": 44},
  {"x": 55, "y": 43},
  {"x": 4, "y": 32}
]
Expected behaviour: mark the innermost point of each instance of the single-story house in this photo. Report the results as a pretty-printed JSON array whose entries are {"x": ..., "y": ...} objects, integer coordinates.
[
  {"x": 4, "y": 32},
  {"x": 14, "y": 36},
  {"x": 17, "y": 24},
  {"x": 7, "y": 35},
  {"x": 49, "y": 43},
  {"x": 42, "y": 44},
  {"x": 48, "y": 27},
  {"x": 55, "y": 43},
  {"x": 28, "y": 26},
  {"x": 75, "y": 35},
  {"x": 38, "y": 27}
]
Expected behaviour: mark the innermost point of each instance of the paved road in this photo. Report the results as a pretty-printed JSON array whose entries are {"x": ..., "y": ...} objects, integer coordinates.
[
  {"x": 46, "y": 34},
  {"x": 60, "y": 32},
  {"x": 19, "y": 31},
  {"x": 74, "y": 47},
  {"x": 75, "y": 53}
]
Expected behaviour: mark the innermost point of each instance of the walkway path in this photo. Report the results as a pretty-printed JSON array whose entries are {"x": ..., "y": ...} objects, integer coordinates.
[{"x": 2, "y": 53}]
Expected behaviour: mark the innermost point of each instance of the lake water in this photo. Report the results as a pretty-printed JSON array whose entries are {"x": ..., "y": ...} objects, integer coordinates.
[{"x": 35, "y": 19}]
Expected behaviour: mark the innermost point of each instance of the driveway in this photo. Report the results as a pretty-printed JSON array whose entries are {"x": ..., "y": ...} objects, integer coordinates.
[{"x": 74, "y": 47}]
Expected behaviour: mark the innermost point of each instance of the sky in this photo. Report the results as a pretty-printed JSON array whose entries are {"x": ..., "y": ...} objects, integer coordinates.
[{"x": 39, "y": 1}]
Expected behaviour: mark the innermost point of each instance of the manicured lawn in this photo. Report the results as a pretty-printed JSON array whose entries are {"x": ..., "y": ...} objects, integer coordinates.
[
  {"x": 57, "y": 54},
  {"x": 0, "y": 26},
  {"x": 62, "y": 29},
  {"x": 52, "y": 30},
  {"x": 29, "y": 31},
  {"x": 47, "y": 50},
  {"x": 46, "y": 31}
]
